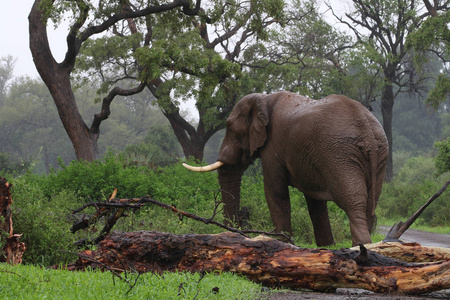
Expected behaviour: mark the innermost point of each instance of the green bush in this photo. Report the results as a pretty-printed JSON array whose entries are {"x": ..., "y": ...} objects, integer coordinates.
[
  {"x": 411, "y": 188},
  {"x": 442, "y": 160},
  {"x": 96, "y": 181},
  {"x": 43, "y": 222}
]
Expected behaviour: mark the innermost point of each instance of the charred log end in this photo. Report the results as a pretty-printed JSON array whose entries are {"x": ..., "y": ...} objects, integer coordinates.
[
  {"x": 363, "y": 256},
  {"x": 13, "y": 250}
]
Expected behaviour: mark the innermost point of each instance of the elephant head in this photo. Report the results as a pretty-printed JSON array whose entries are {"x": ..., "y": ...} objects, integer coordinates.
[{"x": 245, "y": 134}]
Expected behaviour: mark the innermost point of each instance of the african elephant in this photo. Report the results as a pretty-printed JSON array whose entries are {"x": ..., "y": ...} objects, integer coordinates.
[{"x": 331, "y": 149}]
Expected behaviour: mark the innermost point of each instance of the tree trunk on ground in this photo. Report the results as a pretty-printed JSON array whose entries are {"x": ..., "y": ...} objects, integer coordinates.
[
  {"x": 13, "y": 250},
  {"x": 410, "y": 252},
  {"x": 264, "y": 260}
]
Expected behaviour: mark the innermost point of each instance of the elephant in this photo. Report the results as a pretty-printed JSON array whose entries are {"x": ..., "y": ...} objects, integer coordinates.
[{"x": 332, "y": 149}]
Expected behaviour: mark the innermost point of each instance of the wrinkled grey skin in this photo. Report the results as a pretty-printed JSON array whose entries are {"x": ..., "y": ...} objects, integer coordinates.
[{"x": 331, "y": 149}]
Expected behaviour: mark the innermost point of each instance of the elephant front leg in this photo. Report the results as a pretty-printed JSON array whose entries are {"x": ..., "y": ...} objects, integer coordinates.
[
  {"x": 277, "y": 196},
  {"x": 318, "y": 211}
]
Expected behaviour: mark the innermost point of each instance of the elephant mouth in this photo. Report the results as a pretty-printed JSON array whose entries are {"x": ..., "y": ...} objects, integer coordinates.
[{"x": 208, "y": 168}]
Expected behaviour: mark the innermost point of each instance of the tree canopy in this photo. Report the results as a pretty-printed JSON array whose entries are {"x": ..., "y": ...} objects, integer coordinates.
[{"x": 383, "y": 28}]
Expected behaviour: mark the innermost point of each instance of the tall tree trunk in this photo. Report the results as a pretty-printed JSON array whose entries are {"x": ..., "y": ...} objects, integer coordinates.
[
  {"x": 192, "y": 144},
  {"x": 387, "y": 109},
  {"x": 56, "y": 76}
]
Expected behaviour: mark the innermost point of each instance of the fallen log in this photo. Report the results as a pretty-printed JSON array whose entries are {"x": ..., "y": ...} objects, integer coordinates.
[
  {"x": 13, "y": 249},
  {"x": 264, "y": 260},
  {"x": 410, "y": 252}
]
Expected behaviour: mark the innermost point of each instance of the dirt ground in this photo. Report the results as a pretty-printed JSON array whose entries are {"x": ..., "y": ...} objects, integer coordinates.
[
  {"x": 351, "y": 294},
  {"x": 421, "y": 237}
]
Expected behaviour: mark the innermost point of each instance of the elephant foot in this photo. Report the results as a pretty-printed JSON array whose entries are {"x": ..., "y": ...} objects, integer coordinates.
[{"x": 323, "y": 241}]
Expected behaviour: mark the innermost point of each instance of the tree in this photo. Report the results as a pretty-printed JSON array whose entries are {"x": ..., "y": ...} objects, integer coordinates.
[
  {"x": 28, "y": 122},
  {"x": 87, "y": 21},
  {"x": 442, "y": 160},
  {"x": 382, "y": 27},
  {"x": 6, "y": 74},
  {"x": 305, "y": 56},
  {"x": 32, "y": 133},
  {"x": 181, "y": 57}
]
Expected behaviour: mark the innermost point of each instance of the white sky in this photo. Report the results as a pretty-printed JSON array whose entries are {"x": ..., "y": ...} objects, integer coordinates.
[{"x": 14, "y": 36}]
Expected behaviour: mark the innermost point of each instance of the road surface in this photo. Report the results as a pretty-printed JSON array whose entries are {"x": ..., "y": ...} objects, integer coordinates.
[{"x": 427, "y": 239}]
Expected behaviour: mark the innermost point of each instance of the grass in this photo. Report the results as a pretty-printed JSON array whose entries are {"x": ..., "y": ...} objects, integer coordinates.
[{"x": 32, "y": 282}]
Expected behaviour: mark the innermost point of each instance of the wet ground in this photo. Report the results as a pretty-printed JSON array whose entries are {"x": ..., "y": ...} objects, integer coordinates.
[
  {"x": 428, "y": 239},
  {"x": 421, "y": 237}
]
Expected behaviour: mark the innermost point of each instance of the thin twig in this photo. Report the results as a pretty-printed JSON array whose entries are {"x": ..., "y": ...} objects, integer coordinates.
[{"x": 137, "y": 203}]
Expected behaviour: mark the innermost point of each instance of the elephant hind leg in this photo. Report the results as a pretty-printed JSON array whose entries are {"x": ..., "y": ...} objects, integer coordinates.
[
  {"x": 355, "y": 208},
  {"x": 318, "y": 211}
]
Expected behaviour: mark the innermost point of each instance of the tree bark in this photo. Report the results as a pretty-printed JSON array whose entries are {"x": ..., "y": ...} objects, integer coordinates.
[
  {"x": 264, "y": 260},
  {"x": 13, "y": 250},
  {"x": 410, "y": 252},
  {"x": 56, "y": 76},
  {"x": 387, "y": 111}
]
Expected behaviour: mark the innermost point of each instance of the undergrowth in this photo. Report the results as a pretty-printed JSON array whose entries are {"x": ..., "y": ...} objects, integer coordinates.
[{"x": 42, "y": 204}]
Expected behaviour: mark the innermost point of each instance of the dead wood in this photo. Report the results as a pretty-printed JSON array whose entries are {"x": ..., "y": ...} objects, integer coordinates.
[
  {"x": 13, "y": 249},
  {"x": 399, "y": 228},
  {"x": 265, "y": 260},
  {"x": 117, "y": 207},
  {"x": 410, "y": 252}
]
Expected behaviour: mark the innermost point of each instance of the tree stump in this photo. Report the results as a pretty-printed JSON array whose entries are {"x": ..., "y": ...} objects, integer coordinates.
[
  {"x": 264, "y": 260},
  {"x": 13, "y": 250}
]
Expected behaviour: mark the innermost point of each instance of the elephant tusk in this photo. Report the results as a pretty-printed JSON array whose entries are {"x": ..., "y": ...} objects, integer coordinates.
[{"x": 209, "y": 168}]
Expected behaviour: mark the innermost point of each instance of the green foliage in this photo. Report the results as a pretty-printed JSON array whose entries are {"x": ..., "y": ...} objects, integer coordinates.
[
  {"x": 44, "y": 222},
  {"x": 9, "y": 165},
  {"x": 42, "y": 204},
  {"x": 414, "y": 184},
  {"x": 415, "y": 126},
  {"x": 31, "y": 282},
  {"x": 442, "y": 160},
  {"x": 440, "y": 92},
  {"x": 434, "y": 30},
  {"x": 298, "y": 57},
  {"x": 97, "y": 180}
]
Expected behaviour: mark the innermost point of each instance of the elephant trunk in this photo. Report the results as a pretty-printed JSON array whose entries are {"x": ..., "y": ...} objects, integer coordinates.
[{"x": 230, "y": 184}]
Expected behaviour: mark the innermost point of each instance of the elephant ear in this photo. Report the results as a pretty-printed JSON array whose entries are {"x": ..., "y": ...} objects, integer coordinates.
[{"x": 259, "y": 121}]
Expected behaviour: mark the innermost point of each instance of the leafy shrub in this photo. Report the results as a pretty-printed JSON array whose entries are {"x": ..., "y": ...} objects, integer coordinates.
[
  {"x": 442, "y": 160},
  {"x": 97, "y": 180},
  {"x": 411, "y": 188},
  {"x": 44, "y": 223}
]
